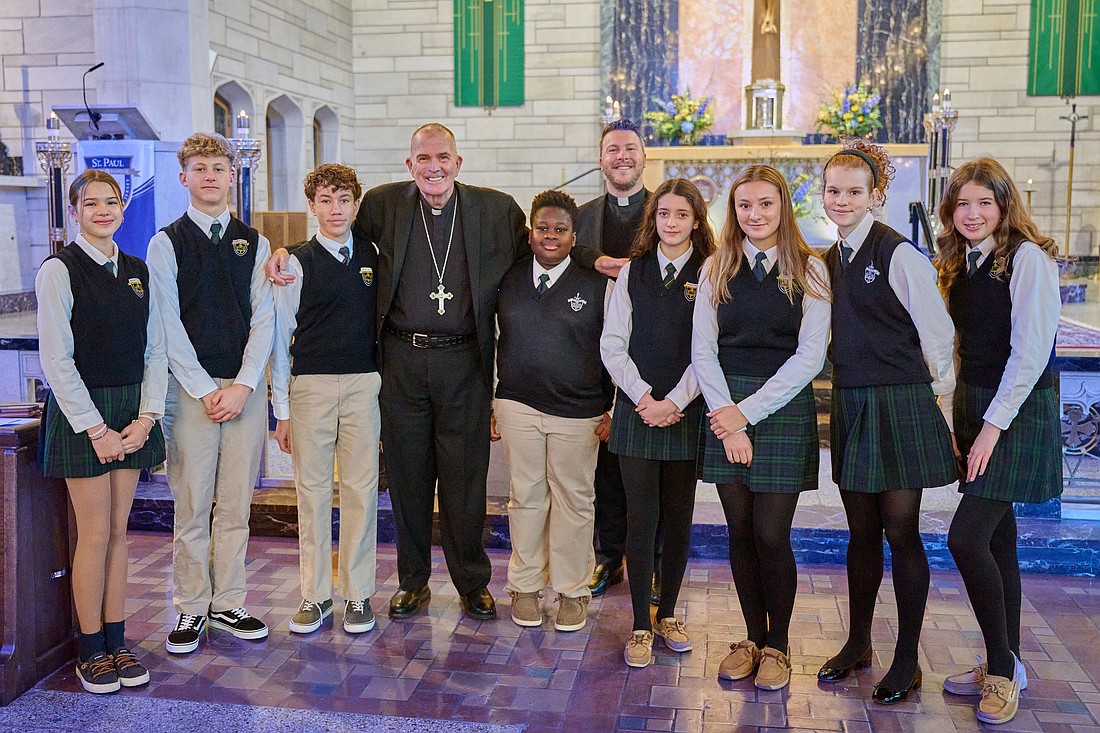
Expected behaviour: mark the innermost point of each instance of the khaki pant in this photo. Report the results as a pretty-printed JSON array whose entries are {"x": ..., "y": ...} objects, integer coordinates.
[
  {"x": 551, "y": 506},
  {"x": 334, "y": 419},
  {"x": 211, "y": 462}
]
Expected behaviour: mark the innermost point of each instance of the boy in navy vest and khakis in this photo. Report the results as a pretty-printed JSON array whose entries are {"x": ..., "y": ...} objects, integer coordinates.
[
  {"x": 551, "y": 400},
  {"x": 325, "y": 383},
  {"x": 219, "y": 321}
]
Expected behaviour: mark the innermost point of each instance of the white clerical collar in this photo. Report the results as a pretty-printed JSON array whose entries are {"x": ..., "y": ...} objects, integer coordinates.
[
  {"x": 205, "y": 220},
  {"x": 334, "y": 247},
  {"x": 626, "y": 200}
]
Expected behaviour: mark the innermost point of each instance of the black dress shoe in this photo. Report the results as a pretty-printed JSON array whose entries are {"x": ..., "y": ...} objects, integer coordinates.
[
  {"x": 655, "y": 589},
  {"x": 832, "y": 673},
  {"x": 604, "y": 577},
  {"x": 479, "y": 604},
  {"x": 406, "y": 603},
  {"x": 885, "y": 696}
]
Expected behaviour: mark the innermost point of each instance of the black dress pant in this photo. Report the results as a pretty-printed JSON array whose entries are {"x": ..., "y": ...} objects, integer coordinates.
[
  {"x": 435, "y": 409},
  {"x": 610, "y": 509}
]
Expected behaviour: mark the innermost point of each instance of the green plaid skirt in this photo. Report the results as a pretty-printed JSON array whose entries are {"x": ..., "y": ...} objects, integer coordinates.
[
  {"x": 630, "y": 436},
  {"x": 785, "y": 452},
  {"x": 1026, "y": 463},
  {"x": 71, "y": 455},
  {"x": 889, "y": 437}
]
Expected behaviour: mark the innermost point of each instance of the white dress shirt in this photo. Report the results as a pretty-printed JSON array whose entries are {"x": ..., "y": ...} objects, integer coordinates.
[
  {"x": 914, "y": 279},
  {"x": 795, "y": 373},
  {"x": 287, "y": 299},
  {"x": 554, "y": 272},
  {"x": 182, "y": 360},
  {"x": 615, "y": 340},
  {"x": 56, "y": 344},
  {"x": 1036, "y": 306}
]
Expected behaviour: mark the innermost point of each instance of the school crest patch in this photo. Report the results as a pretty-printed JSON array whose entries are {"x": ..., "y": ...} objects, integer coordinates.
[
  {"x": 367, "y": 273},
  {"x": 785, "y": 286},
  {"x": 240, "y": 247},
  {"x": 870, "y": 273},
  {"x": 577, "y": 302},
  {"x": 690, "y": 291},
  {"x": 999, "y": 267},
  {"x": 136, "y": 286}
]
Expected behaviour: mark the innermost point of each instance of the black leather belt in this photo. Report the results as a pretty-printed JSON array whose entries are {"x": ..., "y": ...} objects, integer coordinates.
[{"x": 431, "y": 341}]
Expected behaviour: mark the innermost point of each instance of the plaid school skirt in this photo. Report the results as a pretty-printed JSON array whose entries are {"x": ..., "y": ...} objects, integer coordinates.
[
  {"x": 71, "y": 455},
  {"x": 630, "y": 436},
  {"x": 889, "y": 437},
  {"x": 785, "y": 452},
  {"x": 1026, "y": 463}
]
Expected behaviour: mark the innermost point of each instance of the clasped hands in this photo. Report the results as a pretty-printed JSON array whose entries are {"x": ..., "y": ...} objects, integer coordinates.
[
  {"x": 222, "y": 405},
  {"x": 728, "y": 425},
  {"x": 115, "y": 446}
]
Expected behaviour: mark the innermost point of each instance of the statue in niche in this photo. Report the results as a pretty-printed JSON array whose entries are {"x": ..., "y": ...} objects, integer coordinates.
[{"x": 767, "y": 23}]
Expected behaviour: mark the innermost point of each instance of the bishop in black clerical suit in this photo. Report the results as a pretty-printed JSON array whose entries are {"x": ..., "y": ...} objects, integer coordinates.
[{"x": 443, "y": 249}]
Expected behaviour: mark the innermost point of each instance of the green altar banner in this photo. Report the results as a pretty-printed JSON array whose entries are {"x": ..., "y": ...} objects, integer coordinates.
[
  {"x": 1064, "y": 52},
  {"x": 488, "y": 53}
]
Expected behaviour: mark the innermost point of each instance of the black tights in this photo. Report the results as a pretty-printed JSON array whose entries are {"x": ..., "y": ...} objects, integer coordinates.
[
  {"x": 983, "y": 542},
  {"x": 762, "y": 561},
  {"x": 897, "y": 513},
  {"x": 663, "y": 490}
]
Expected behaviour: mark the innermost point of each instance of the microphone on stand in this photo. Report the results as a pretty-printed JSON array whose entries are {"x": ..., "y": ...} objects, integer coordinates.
[{"x": 93, "y": 116}]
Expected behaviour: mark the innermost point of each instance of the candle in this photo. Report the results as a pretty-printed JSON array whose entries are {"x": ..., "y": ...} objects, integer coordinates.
[
  {"x": 947, "y": 99},
  {"x": 618, "y": 110},
  {"x": 935, "y": 104},
  {"x": 53, "y": 127},
  {"x": 242, "y": 126},
  {"x": 608, "y": 107}
]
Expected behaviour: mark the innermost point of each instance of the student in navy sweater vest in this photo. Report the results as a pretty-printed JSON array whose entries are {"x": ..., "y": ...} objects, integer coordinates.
[
  {"x": 1000, "y": 279},
  {"x": 219, "y": 321},
  {"x": 646, "y": 347},
  {"x": 324, "y": 384},
  {"x": 102, "y": 349},
  {"x": 761, "y": 332},
  {"x": 891, "y": 352},
  {"x": 551, "y": 397}
]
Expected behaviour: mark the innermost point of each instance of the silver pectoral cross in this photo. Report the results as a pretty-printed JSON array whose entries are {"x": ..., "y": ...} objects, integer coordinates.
[{"x": 441, "y": 295}]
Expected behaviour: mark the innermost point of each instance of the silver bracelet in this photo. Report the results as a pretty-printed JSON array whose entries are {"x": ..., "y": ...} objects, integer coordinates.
[{"x": 101, "y": 433}]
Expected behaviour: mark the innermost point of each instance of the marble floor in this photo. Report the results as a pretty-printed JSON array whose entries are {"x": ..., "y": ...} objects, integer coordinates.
[{"x": 445, "y": 667}]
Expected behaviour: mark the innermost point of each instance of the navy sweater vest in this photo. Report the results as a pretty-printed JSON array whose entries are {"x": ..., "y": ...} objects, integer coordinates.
[
  {"x": 660, "y": 334},
  {"x": 758, "y": 326},
  {"x": 548, "y": 352},
  {"x": 981, "y": 307},
  {"x": 214, "y": 285},
  {"x": 109, "y": 319},
  {"x": 874, "y": 342},
  {"x": 336, "y": 323}
]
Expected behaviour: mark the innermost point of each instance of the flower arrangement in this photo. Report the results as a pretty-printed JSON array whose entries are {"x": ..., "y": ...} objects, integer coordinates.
[
  {"x": 802, "y": 188},
  {"x": 682, "y": 119},
  {"x": 854, "y": 111}
]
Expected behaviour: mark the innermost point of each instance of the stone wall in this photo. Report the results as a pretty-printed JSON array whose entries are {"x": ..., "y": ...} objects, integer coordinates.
[
  {"x": 984, "y": 64},
  {"x": 403, "y": 62}
]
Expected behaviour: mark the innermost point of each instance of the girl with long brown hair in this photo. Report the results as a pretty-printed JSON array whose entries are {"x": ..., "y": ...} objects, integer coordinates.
[
  {"x": 646, "y": 347},
  {"x": 1000, "y": 279},
  {"x": 761, "y": 327},
  {"x": 891, "y": 353},
  {"x": 102, "y": 348}
]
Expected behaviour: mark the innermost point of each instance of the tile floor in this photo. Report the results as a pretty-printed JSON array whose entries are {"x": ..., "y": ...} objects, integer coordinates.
[{"x": 441, "y": 665}]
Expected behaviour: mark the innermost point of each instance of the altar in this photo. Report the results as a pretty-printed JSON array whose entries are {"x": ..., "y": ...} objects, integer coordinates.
[{"x": 713, "y": 168}]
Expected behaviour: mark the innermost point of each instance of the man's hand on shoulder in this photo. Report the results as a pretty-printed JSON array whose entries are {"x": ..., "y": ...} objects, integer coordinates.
[
  {"x": 610, "y": 266},
  {"x": 275, "y": 269}
]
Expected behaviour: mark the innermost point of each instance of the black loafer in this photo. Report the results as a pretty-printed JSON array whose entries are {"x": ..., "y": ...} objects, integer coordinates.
[
  {"x": 604, "y": 577},
  {"x": 885, "y": 696},
  {"x": 479, "y": 604},
  {"x": 832, "y": 673},
  {"x": 407, "y": 603}
]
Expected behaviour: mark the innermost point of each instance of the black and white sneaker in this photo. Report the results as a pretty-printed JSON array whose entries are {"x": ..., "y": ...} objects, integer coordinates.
[
  {"x": 237, "y": 622},
  {"x": 185, "y": 638},
  {"x": 98, "y": 674},
  {"x": 131, "y": 672}
]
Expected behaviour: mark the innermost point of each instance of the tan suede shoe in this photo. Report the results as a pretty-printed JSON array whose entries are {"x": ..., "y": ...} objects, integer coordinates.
[
  {"x": 774, "y": 672},
  {"x": 741, "y": 662}
]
